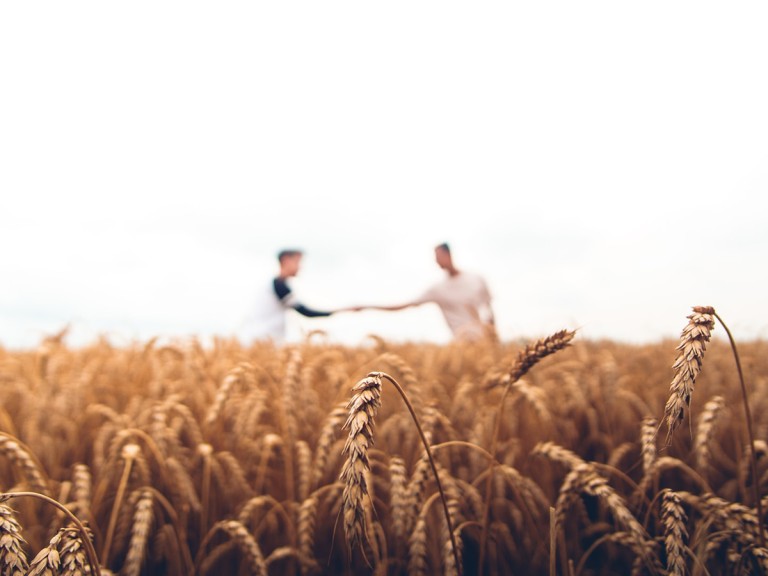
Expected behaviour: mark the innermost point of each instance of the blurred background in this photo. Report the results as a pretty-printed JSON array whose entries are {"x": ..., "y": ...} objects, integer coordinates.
[{"x": 603, "y": 165}]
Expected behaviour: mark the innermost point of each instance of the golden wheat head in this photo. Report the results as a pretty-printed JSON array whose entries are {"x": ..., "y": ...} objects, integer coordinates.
[
  {"x": 362, "y": 411},
  {"x": 529, "y": 356},
  {"x": 693, "y": 343}
]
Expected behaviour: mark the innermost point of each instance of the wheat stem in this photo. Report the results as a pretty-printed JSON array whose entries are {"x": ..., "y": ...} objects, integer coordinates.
[
  {"x": 404, "y": 396},
  {"x": 748, "y": 416},
  {"x": 526, "y": 359},
  {"x": 93, "y": 559}
]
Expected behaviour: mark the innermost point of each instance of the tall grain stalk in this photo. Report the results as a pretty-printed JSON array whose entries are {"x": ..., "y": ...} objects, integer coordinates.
[
  {"x": 687, "y": 366},
  {"x": 130, "y": 453},
  {"x": 750, "y": 432},
  {"x": 362, "y": 409},
  {"x": 90, "y": 551},
  {"x": 527, "y": 358}
]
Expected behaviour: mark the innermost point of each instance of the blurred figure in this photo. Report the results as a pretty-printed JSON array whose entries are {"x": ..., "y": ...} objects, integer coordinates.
[
  {"x": 268, "y": 321},
  {"x": 463, "y": 298}
]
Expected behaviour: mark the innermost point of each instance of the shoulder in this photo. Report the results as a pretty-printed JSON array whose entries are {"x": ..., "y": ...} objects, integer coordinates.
[{"x": 281, "y": 288}]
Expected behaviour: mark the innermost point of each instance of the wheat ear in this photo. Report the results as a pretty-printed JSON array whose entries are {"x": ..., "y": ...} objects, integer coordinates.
[
  {"x": 21, "y": 456},
  {"x": 687, "y": 365},
  {"x": 306, "y": 532},
  {"x": 362, "y": 410},
  {"x": 704, "y": 432},
  {"x": 325, "y": 441},
  {"x": 398, "y": 497},
  {"x": 363, "y": 407},
  {"x": 82, "y": 490},
  {"x": 673, "y": 518},
  {"x": 93, "y": 559},
  {"x": 142, "y": 522},
  {"x": 526, "y": 359},
  {"x": 130, "y": 453},
  {"x": 247, "y": 544},
  {"x": 74, "y": 559},
  {"x": 48, "y": 561},
  {"x": 13, "y": 558}
]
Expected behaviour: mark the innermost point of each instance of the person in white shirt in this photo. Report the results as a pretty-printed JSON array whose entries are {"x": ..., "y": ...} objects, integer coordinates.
[
  {"x": 268, "y": 320},
  {"x": 463, "y": 298}
]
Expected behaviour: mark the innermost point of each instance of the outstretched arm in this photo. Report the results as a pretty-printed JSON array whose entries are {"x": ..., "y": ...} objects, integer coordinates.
[
  {"x": 310, "y": 312},
  {"x": 390, "y": 308},
  {"x": 287, "y": 298}
]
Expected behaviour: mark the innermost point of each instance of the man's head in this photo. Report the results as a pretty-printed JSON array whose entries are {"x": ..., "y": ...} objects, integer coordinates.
[
  {"x": 290, "y": 261},
  {"x": 443, "y": 256}
]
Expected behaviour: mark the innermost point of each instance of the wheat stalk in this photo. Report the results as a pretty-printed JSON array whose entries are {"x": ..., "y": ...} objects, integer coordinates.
[
  {"x": 304, "y": 469},
  {"x": 22, "y": 457},
  {"x": 93, "y": 560},
  {"x": 526, "y": 359},
  {"x": 288, "y": 409},
  {"x": 247, "y": 544},
  {"x": 532, "y": 354},
  {"x": 687, "y": 365},
  {"x": 325, "y": 442},
  {"x": 235, "y": 377},
  {"x": 673, "y": 518},
  {"x": 48, "y": 561},
  {"x": 142, "y": 523},
  {"x": 362, "y": 410},
  {"x": 13, "y": 558},
  {"x": 398, "y": 496},
  {"x": 130, "y": 454},
  {"x": 705, "y": 431},
  {"x": 74, "y": 558},
  {"x": 82, "y": 485},
  {"x": 306, "y": 531},
  {"x": 417, "y": 541},
  {"x": 648, "y": 444}
]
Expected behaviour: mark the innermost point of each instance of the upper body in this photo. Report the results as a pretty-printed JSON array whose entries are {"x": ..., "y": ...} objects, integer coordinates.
[
  {"x": 287, "y": 299},
  {"x": 269, "y": 318},
  {"x": 463, "y": 298},
  {"x": 465, "y": 301}
]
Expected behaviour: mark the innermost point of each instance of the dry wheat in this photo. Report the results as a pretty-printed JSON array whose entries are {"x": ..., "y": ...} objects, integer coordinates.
[
  {"x": 142, "y": 524},
  {"x": 13, "y": 558},
  {"x": 48, "y": 561},
  {"x": 687, "y": 365},
  {"x": 673, "y": 518},
  {"x": 705, "y": 431},
  {"x": 362, "y": 410}
]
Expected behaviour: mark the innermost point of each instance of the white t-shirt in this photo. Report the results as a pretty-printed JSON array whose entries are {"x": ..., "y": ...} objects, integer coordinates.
[
  {"x": 267, "y": 320},
  {"x": 465, "y": 302}
]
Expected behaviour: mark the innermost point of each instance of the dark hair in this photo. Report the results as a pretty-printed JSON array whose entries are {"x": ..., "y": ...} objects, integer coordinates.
[
  {"x": 288, "y": 253},
  {"x": 444, "y": 246}
]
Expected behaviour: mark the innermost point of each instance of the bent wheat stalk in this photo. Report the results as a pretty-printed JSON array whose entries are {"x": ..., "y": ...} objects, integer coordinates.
[
  {"x": 90, "y": 551},
  {"x": 362, "y": 411},
  {"x": 693, "y": 343},
  {"x": 688, "y": 365},
  {"x": 750, "y": 432},
  {"x": 130, "y": 453},
  {"x": 527, "y": 358}
]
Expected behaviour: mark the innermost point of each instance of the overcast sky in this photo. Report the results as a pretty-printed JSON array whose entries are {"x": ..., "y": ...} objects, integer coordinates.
[{"x": 603, "y": 164}]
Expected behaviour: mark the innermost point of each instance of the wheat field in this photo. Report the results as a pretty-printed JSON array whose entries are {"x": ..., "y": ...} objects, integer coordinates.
[{"x": 555, "y": 456}]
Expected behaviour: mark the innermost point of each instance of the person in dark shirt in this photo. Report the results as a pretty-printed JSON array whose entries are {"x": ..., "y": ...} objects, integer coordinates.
[{"x": 268, "y": 322}]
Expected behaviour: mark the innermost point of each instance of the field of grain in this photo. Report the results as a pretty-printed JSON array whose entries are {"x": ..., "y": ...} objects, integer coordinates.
[{"x": 551, "y": 457}]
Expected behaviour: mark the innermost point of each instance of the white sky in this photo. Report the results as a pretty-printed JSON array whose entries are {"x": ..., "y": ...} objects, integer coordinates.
[{"x": 603, "y": 164}]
